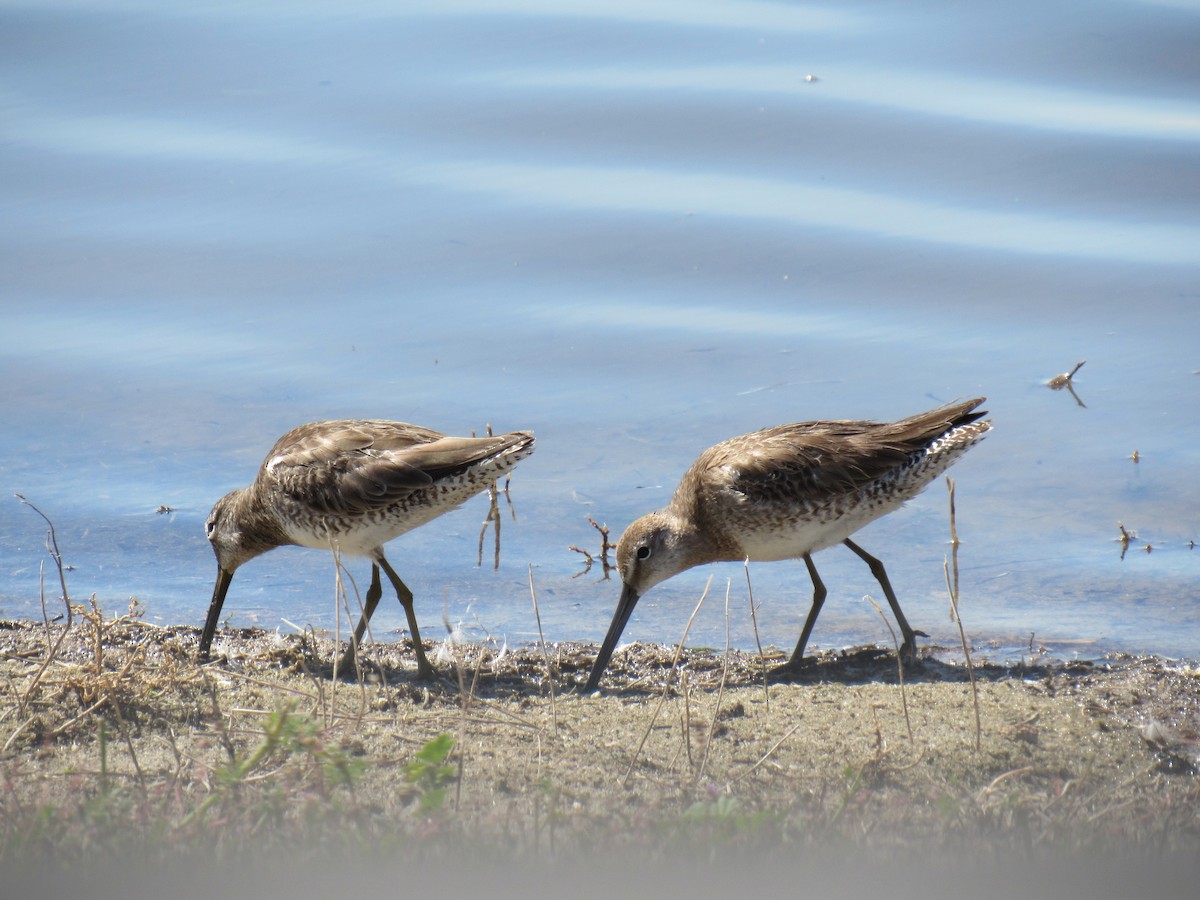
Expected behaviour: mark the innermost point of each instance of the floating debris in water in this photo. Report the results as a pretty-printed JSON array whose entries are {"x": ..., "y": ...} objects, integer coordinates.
[
  {"x": 1067, "y": 380},
  {"x": 1058, "y": 382}
]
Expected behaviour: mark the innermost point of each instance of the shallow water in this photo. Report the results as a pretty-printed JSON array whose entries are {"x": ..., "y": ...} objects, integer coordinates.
[{"x": 637, "y": 230}]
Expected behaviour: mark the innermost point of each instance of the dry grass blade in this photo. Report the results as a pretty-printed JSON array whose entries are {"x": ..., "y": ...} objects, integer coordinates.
[
  {"x": 1000, "y": 779},
  {"x": 762, "y": 759},
  {"x": 55, "y": 554},
  {"x": 52, "y": 652},
  {"x": 952, "y": 589},
  {"x": 465, "y": 698},
  {"x": 341, "y": 602},
  {"x": 550, "y": 673},
  {"x": 762, "y": 658},
  {"x": 342, "y": 599},
  {"x": 667, "y": 684},
  {"x": 712, "y": 726},
  {"x": 899, "y": 664}
]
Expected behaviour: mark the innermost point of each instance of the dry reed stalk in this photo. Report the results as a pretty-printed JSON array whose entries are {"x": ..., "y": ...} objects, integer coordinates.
[
  {"x": 460, "y": 748},
  {"x": 52, "y": 650},
  {"x": 999, "y": 779},
  {"x": 685, "y": 719},
  {"x": 327, "y": 707},
  {"x": 271, "y": 685},
  {"x": 545, "y": 654},
  {"x": 340, "y": 594},
  {"x": 952, "y": 589},
  {"x": 466, "y": 700},
  {"x": 341, "y": 603},
  {"x": 712, "y": 726},
  {"x": 899, "y": 664},
  {"x": 762, "y": 658},
  {"x": 667, "y": 685},
  {"x": 762, "y": 759}
]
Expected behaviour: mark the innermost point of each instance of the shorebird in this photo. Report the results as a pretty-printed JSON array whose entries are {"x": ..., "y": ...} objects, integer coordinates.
[
  {"x": 785, "y": 493},
  {"x": 353, "y": 485}
]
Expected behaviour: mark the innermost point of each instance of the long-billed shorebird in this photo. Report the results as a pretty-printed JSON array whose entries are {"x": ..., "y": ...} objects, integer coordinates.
[
  {"x": 352, "y": 485},
  {"x": 785, "y": 493}
]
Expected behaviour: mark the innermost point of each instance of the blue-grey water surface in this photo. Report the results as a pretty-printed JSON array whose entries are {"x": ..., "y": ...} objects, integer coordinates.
[{"x": 637, "y": 229}]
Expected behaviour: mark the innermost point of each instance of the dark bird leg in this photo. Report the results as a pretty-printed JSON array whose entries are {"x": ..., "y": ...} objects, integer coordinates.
[
  {"x": 405, "y": 596},
  {"x": 374, "y": 593},
  {"x": 796, "y": 663},
  {"x": 908, "y": 650}
]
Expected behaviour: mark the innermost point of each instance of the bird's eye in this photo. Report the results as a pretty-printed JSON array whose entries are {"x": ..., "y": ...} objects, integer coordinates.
[
  {"x": 643, "y": 552},
  {"x": 209, "y": 527}
]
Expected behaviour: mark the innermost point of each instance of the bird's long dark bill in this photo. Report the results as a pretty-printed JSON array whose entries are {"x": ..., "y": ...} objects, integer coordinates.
[
  {"x": 214, "y": 611},
  {"x": 625, "y": 605}
]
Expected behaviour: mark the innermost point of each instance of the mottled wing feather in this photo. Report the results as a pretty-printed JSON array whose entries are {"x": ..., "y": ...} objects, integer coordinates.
[
  {"x": 808, "y": 459},
  {"x": 373, "y": 465},
  {"x": 811, "y": 459},
  {"x": 360, "y": 465},
  {"x": 348, "y": 466}
]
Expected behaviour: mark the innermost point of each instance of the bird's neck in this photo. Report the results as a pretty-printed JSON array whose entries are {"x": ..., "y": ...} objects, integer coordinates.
[
  {"x": 260, "y": 526},
  {"x": 700, "y": 540}
]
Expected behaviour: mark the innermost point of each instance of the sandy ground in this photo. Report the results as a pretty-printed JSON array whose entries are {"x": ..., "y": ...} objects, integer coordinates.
[{"x": 115, "y": 743}]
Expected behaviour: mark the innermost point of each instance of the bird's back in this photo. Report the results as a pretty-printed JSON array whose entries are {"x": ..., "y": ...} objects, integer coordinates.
[
  {"x": 797, "y": 488},
  {"x": 365, "y": 481}
]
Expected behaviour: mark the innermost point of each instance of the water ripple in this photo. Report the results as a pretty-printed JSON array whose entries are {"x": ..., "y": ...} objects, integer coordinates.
[
  {"x": 943, "y": 94},
  {"x": 881, "y": 215}
]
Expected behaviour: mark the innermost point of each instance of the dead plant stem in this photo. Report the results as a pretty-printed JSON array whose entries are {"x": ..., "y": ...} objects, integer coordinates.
[
  {"x": 952, "y": 589},
  {"x": 550, "y": 671},
  {"x": 667, "y": 685}
]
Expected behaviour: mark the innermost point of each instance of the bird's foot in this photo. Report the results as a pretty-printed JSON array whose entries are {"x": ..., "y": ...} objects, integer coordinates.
[
  {"x": 425, "y": 672},
  {"x": 790, "y": 670},
  {"x": 347, "y": 666},
  {"x": 908, "y": 650}
]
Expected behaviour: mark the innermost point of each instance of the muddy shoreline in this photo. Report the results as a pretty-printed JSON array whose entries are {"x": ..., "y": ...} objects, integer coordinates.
[{"x": 117, "y": 743}]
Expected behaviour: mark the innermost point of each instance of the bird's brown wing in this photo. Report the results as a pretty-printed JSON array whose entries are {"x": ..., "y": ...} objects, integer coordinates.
[
  {"x": 358, "y": 465},
  {"x": 816, "y": 459}
]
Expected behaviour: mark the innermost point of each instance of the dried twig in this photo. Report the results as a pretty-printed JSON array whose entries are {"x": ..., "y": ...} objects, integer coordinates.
[
  {"x": 899, "y": 663},
  {"x": 1067, "y": 380},
  {"x": 1058, "y": 382},
  {"x": 550, "y": 670},
  {"x": 712, "y": 727},
  {"x": 56, "y": 555},
  {"x": 767, "y": 755},
  {"x": 996, "y": 782},
  {"x": 667, "y": 684},
  {"x": 1125, "y": 538},
  {"x": 605, "y": 546},
  {"x": 762, "y": 658},
  {"x": 952, "y": 588}
]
